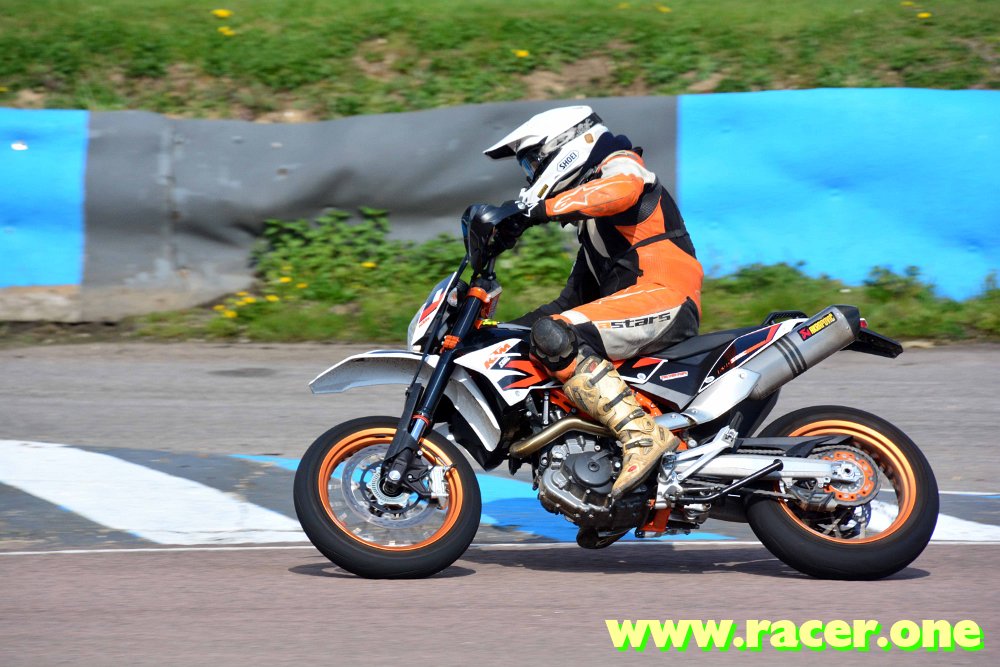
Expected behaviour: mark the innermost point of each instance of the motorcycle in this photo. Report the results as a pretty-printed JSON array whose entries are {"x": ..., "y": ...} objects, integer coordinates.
[{"x": 832, "y": 491}]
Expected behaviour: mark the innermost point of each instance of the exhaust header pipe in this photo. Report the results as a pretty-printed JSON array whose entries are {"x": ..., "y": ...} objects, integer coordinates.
[{"x": 829, "y": 331}]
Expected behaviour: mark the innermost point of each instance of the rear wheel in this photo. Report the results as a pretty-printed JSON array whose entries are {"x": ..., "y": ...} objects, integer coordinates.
[
  {"x": 884, "y": 519},
  {"x": 348, "y": 516}
]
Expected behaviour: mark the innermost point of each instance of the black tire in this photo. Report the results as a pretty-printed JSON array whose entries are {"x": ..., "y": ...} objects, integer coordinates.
[
  {"x": 380, "y": 555},
  {"x": 786, "y": 532}
]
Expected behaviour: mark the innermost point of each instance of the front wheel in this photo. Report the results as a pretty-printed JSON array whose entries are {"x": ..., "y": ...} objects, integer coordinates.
[
  {"x": 347, "y": 515},
  {"x": 884, "y": 520}
]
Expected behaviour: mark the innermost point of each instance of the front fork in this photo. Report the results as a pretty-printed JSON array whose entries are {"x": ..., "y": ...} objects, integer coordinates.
[{"x": 398, "y": 467}]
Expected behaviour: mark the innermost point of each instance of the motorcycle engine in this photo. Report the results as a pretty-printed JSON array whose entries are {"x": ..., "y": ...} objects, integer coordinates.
[{"x": 575, "y": 477}]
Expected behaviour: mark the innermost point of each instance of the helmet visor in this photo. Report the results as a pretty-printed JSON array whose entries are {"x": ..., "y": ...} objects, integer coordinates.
[{"x": 529, "y": 162}]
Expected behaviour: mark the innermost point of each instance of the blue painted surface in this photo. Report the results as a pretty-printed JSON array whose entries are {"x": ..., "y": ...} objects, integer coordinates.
[
  {"x": 280, "y": 461},
  {"x": 510, "y": 503},
  {"x": 845, "y": 179},
  {"x": 43, "y": 158}
]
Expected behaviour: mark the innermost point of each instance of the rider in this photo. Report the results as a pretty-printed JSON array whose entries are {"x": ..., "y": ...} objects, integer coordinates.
[{"x": 636, "y": 284}]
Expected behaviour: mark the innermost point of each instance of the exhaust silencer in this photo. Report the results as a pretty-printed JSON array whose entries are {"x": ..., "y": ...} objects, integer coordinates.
[{"x": 829, "y": 331}]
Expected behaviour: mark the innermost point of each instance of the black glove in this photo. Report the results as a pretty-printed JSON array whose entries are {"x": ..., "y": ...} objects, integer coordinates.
[
  {"x": 509, "y": 220},
  {"x": 536, "y": 214},
  {"x": 512, "y": 227},
  {"x": 509, "y": 231}
]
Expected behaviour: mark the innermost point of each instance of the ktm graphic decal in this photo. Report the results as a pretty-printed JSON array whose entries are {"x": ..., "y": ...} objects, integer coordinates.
[
  {"x": 533, "y": 374},
  {"x": 497, "y": 360}
]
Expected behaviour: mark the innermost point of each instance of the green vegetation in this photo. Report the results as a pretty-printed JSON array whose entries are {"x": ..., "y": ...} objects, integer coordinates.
[
  {"x": 341, "y": 280},
  {"x": 279, "y": 60},
  {"x": 316, "y": 59}
]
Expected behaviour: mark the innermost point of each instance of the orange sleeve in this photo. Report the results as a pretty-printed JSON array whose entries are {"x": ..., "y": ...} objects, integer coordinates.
[{"x": 597, "y": 199}]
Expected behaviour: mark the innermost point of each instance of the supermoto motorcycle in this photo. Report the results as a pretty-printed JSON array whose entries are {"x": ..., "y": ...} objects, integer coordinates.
[{"x": 832, "y": 491}]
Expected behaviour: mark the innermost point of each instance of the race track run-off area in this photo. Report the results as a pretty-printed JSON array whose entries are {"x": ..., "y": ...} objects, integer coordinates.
[{"x": 137, "y": 479}]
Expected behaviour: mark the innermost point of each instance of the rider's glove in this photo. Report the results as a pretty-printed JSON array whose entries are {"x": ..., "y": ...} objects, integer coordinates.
[
  {"x": 509, "y": 231},
  {"x": 536, "y": 214},
  {"x": 510, "y": 219}
]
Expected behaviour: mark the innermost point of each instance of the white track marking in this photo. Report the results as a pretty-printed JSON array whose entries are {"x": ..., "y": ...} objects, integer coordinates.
[
  {"x": 150, "y": 504},
  {"x": 949, "y": 528},
  {"x": 154, "y": 550},
  {"x": 969, "y": 493},
  {"x": 166, "y": 509},
  {"x": 711, "y": 544}
]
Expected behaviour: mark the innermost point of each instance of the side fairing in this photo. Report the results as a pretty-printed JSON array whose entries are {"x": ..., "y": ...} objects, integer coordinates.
[{"x": 506, "y": 365}]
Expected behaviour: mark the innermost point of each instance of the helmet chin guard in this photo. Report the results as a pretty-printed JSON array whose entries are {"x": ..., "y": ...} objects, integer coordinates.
[{"x": 551, "y": 147}]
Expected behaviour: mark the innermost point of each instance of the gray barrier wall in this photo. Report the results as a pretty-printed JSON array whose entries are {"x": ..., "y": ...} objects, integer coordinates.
[
  {"x": 111, "y": 214},
  {"x": 174, "y": 206}
]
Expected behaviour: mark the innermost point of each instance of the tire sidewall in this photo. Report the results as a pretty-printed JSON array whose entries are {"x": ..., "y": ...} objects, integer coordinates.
[
  {"x": 814, "y": 555},
  {"x": 371, "y": 562}
]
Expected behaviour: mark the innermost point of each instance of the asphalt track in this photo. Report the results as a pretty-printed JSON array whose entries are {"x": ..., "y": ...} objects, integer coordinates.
[{"x": 122, "y": 600}]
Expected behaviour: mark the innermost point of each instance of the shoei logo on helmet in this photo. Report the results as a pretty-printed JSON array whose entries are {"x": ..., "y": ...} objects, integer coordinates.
[{"x": 568, "y": 160}]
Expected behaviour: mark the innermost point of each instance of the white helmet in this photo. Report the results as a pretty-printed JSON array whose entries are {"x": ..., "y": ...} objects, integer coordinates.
[{"x": 552, "y": 148}]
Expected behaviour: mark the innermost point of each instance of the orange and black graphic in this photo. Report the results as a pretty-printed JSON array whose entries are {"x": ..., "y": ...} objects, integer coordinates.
[
  {"x": 534, "y": 374},
  {"x": 522, "y": 371},
  {"x": 744, "y": 346}
]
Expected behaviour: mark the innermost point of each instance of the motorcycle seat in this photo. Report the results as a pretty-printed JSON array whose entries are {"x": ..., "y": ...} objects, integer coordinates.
[{"x": 702, "y": 343}]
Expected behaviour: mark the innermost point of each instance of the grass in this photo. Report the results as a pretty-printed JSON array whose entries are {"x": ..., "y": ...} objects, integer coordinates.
[
  {"x": 317, "y": 59},
  {"x": 344, "y": 280},
  {"x": 383, "y": 315},
  {"x": 276, "y": 60}
]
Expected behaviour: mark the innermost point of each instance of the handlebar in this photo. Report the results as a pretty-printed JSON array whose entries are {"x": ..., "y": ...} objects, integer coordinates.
[{"x": 486, "y": 236}]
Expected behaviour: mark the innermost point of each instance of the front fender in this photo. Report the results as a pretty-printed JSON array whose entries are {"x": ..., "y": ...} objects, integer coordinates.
[{"x": 398, "y": 367}]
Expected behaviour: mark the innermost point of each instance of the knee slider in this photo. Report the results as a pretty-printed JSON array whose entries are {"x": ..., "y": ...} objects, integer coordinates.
[{"x": 554, "y": 343}]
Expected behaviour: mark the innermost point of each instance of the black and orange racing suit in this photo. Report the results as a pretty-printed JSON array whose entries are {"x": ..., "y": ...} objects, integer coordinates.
[{"x": 636, "y": 283}]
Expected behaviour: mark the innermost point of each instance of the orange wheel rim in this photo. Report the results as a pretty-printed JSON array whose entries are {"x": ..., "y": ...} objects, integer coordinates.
[
  {"x": 890, "y": 460},
  {"x": 355, "y": 443}
]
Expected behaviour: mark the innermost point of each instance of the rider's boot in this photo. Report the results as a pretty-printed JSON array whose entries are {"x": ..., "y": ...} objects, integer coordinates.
[{"x": 597, "y": 388}]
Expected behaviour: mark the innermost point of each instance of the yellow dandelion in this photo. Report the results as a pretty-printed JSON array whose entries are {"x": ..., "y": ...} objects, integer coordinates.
[
  {"x": 4, "y": 89},
  {"x": 302, "y": 285},
  {"x": 663, "y": 9},
  {"x": 226, "y": 31},
  {"x": 222, "y": 13},
  {"x": 284, "y": 279},
  {"x": 218, "y": 308},
  {"x": 242, "y": 294},
  {"x": 907, "y": 3},
  {"x": 272, "y": 298},
  {"x": 368, "y": 265},
  {"x": 924, "y": 15},
  {"x": 230, "y": 314},
  {"x": 521, "y": 53},
  {"x": 249, "y": 299}
]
